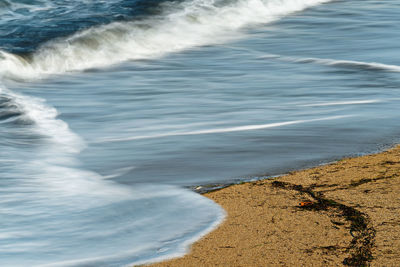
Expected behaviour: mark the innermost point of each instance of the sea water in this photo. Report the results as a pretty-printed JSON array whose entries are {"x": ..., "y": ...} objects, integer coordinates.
[{"x": 111, "y": 110}]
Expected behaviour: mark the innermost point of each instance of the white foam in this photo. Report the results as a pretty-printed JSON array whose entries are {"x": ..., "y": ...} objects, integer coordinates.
[
  {"x": 222, "y": 130},
  {"x": 50, "y": 190},
  {"x": 119, "y": 172},
  {"x": 351, "y": 63},
  {"x": 338, "y": 63},
  {"x": 181, "y": 26},
  {"x": 46, "y": 122},
  {"x": 122, "y": 258}
]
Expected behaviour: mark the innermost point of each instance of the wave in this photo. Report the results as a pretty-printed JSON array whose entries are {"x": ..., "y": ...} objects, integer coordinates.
[
  {"x": 14, "y": 5},
  {"x": 9, "y": 111},
  {"x": 12, "y": 9},
  {"x": 351, "y": 64},
  {"x": 222, "y": 130},
  {"x": 26, "y": 25},
  {"x": 338, "y": 63},
  {"x": 51, "y": 206},
  {"x": 15, "y": 9},
  {"x": 179, "y": 26},
  {"x": 43, "y": 118}
]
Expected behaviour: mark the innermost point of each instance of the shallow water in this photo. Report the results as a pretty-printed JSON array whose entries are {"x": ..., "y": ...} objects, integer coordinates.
[{"x": 108, "y": 109}]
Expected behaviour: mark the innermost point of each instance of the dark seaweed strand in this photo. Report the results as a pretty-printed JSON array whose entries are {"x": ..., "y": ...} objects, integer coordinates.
[{"x": 361, "y": 229}]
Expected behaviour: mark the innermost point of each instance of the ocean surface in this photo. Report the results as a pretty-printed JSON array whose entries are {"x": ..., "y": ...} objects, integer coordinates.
[{"x": 111, "y": 111}]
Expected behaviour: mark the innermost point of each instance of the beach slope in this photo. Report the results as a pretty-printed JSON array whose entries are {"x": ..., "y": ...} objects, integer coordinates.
[{"x": 345, "y": 213}]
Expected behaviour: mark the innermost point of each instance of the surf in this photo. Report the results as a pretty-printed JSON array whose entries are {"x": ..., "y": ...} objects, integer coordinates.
[
  {"x": 180, "y": 26},
  {"x": 52, "y": 206}
]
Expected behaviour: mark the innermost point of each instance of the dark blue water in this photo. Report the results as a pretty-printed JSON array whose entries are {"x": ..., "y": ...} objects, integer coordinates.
[{"x": 109, "y": 109}]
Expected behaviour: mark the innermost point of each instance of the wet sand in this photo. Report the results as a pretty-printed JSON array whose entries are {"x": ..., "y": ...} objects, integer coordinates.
[{"x": 345, "y": 213}]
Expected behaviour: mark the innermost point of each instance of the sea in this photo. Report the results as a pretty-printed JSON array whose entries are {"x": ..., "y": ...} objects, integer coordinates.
[{"x": 114, "y": 113}]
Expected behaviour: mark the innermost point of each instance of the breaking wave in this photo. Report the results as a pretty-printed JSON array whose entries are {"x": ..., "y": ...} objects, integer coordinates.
[
  {"x": 49, "y": 187},
  {"x": 43, "y": 118},
  {"x": 179, "y": 26}
]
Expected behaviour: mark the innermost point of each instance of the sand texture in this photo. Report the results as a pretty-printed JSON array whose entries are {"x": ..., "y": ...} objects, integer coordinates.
[{"x": 350, "y": 217}]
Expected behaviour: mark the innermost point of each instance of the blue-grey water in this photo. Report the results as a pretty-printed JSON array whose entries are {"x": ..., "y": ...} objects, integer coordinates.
[{"x": 109, "y": 110}]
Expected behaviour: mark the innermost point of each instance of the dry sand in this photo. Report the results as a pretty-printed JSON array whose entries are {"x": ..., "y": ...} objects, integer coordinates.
[{"x": 353, "y": 218}]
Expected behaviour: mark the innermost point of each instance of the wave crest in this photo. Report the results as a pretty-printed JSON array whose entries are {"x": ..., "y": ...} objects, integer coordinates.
[
  {"x": 182, "y": 26},
  {"x": 352, "y": 64}
]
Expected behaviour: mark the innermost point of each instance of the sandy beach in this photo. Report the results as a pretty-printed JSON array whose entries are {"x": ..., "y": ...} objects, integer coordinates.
[{"x": 345, "y": 213}]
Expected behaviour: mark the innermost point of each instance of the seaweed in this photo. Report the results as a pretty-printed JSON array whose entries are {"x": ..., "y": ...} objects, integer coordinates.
[{"x": 360, "y": 229}]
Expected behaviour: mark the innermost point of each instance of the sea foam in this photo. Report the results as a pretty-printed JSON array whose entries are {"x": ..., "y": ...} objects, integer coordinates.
[
  {"x": 350, "y": 64},
  {"x": 180, "y": 26}
]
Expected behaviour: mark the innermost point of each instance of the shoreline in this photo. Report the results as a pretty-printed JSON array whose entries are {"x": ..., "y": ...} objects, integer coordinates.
[
  {"x": 203, "y": 189},
  {"x": 341, "y": 213}
]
